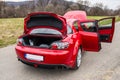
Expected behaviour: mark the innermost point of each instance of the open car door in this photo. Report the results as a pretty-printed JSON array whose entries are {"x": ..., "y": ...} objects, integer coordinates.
[
  {"x": 106, "y": 29},
  {"x": 89, "y": 35},
  {"x": 90, "y": 41}
]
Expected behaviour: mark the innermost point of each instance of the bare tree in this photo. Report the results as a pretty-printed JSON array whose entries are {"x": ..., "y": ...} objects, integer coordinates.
[
  {"x": 10, "y": 11},
  {"x": 50, "y": 8},
  {"x": 100, "y": 5},
  {"x": 80, "y": 2},
  {"x": 41, "y": 4},
  {"x": 56, "y": 6},
  {"x": 2, "y": 8},
  {"x": 96, "y": 11},
  {"x": 86, "y": 2},
  {"x": 118, "y": 11},
  {"x": 74, "y": 6},
  {"x": 60, "y": 9}
]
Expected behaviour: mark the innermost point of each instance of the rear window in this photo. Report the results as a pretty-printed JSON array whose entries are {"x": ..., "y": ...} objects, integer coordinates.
[
  {"x": 69, "y": 30},
  {"x": 44, "y": 20},
  {"x": 45, "y": 31}
]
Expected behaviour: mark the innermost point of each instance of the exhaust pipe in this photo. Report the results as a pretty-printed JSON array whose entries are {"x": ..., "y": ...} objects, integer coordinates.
[{"x": 35, "y": 65}]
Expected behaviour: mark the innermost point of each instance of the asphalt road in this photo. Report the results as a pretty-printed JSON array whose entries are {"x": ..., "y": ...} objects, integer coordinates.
[{"x": 103, "y": 65}]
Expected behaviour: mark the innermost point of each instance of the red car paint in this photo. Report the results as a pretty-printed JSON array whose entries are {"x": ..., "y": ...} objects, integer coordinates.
[
  {"x": 48, "y": 13},
  {"x": 79, "y": 15},
  {"x": 87, "y": 41}
]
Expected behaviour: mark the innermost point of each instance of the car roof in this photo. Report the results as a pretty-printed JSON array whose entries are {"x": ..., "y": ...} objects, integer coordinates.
[{"x": 77, "y": 14}]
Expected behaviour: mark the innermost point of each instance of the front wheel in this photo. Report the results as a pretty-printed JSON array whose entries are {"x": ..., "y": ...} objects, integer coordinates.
[{"x": 78, "y": 59}]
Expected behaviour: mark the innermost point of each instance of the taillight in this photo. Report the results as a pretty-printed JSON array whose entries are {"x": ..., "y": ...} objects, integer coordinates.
[
  {"x": 59, "y": 45},
  {"x": 20, "y": 42}
]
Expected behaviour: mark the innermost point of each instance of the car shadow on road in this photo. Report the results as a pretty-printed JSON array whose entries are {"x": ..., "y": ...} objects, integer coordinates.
[{"x": 47, "y": 73}]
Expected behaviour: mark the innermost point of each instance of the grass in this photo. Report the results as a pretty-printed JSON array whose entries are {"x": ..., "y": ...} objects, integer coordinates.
[
  {"x": 96, "y": 17},
  {"x": 11, "y": 28},
  {"x": 104, "y": 22}
]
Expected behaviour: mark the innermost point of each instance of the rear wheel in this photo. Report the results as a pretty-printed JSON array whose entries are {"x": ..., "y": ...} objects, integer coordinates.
[{"x": 78, "y": 59}]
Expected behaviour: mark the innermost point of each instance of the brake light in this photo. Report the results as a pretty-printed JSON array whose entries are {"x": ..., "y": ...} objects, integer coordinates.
[
  {"x": 59, "y": 45},
  {"x": 20, "y": 42}
]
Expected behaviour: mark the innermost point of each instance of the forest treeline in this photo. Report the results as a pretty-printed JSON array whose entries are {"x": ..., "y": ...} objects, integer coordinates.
[{"x": 56, "y": 6}]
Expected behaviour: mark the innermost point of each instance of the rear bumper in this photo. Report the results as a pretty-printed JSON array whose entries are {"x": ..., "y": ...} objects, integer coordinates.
[
  {"x": 51, "y": 57},
  {"x": 44, "y": 65}
]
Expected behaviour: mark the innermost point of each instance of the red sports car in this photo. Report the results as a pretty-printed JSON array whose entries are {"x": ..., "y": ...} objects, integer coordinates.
[{"x": 54, "y": 40}]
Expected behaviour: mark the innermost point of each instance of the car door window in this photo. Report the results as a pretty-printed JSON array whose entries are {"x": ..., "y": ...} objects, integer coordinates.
[
  {"x": 103, "y": 24},
  {"x": 89, "y": 26}
]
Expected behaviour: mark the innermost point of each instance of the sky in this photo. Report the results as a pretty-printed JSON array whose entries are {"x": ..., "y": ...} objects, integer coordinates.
[
  {"x": 112, "y": 4},
  {"x": 15, "y": 0}
]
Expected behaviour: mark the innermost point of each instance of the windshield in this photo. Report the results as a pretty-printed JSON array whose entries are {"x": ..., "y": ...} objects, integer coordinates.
[
  {"x": 69, "y": 29},
  {"x": 45, "y": 31}
]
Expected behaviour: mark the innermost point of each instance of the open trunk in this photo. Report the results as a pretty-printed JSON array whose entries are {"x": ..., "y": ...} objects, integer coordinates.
[
  {"x": 41, "y": 41},
  {"x": 43, "y": 20}
]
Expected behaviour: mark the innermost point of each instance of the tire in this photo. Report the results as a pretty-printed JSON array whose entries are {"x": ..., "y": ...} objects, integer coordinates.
[{"x": 78, "y": 60}]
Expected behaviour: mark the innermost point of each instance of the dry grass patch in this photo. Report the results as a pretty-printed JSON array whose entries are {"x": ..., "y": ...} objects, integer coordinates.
[{"x": 10, "y": 29}]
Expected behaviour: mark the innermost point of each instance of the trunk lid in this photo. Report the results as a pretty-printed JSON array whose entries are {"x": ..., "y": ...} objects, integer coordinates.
[{"x": 45, "y": 20}]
